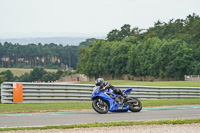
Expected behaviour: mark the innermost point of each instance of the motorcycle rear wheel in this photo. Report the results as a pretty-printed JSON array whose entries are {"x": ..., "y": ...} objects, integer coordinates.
[
  {"x": 100, "y": 106},
  {"x": 135, "y": 107}
]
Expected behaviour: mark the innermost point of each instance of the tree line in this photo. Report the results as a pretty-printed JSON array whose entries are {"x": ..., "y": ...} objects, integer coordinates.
[
  {"x": 31, "y": 55},
  {"x": 167, "y": 50},
  {"x": 38, "y": 74}
]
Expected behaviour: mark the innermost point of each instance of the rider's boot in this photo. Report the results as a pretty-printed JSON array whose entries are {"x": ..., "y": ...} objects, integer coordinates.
[{"x": 120, "y": 101}]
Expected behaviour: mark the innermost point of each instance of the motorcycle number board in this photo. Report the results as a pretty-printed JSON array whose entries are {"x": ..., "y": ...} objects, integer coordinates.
[{"x": 119, "y": 107}]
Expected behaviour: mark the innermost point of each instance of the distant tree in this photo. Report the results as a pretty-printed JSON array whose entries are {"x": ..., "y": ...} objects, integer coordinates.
[
  {"x": 24, "y": 78},
  {"x": 136, "y": 32},
  {"x": 37, "y": 73},
  {"x": 31, "y": 55},
  {"x": 125, "y": 32},
  {"x": 82, "y": 59},
  {"x": 87, "y": 42},
  {"x": 113, "y": 35},
  {"x": 119, "y": 35},
  {"x": 8, "y": 75},
  {"x": 2, "y": 79},
  {"x": 48, "y": 76}
]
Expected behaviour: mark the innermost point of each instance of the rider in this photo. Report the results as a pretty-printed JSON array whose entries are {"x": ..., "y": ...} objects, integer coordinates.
[{"x": 107, "y": 85}]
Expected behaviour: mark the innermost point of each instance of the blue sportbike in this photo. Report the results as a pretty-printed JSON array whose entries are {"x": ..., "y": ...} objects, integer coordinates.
[{"x": 104, "y": 101}]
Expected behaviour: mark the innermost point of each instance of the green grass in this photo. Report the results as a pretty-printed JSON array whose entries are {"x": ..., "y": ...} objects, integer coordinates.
[
  {"x": 170, "y": 102},
  {"x": 43, "y": 107},
  {"x": 75, "y": 106},
  {"x": 156, "y": 83},
  {"x": 19, "y": 71},
  {"x": 110, "y": 124}
]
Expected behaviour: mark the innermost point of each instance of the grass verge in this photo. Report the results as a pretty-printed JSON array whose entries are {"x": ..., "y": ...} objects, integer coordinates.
[
  {"x": 43, "y": 107},
  {"x": 96, "y": 124},
  {"x": 156, "y": 83},
  {"x": 75, "y": 106},
  {"x": 170, "y": 102}
]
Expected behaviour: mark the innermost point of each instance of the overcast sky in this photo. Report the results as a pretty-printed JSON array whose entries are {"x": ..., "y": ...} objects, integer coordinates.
[{"x": 41, "y": 18}]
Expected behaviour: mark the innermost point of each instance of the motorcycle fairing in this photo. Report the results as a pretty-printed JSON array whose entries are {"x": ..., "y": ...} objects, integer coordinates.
[
  {"x": 128, "y": 91},
  {"x": 114, "y": 106}
]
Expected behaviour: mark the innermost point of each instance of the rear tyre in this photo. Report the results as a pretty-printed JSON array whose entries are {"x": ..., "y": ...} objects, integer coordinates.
[
  {"x": 100, "y": 106},
  {"x": 135, "y": 106}
]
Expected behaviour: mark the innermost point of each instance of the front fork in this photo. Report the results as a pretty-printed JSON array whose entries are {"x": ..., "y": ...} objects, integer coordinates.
[{"x": 100, "y": 101}]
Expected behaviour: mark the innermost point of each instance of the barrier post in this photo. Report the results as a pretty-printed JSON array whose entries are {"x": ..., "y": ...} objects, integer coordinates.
[{"x": 17, "y": 92}]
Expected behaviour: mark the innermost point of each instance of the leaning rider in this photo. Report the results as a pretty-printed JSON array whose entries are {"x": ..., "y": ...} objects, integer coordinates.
[{"x": 107, "y": 85}]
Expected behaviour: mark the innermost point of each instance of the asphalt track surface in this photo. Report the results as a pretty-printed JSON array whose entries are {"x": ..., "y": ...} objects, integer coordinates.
[{"x": 83, "y": 117}]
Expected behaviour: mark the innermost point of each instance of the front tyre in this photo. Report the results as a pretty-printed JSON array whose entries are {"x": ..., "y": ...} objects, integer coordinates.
[
  {"x": 135, "y": 106},
  {"x": 100, "y": 106}
]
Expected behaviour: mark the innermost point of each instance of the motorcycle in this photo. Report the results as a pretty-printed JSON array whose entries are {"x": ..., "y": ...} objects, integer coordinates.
[{"x": 104, "y": 101}]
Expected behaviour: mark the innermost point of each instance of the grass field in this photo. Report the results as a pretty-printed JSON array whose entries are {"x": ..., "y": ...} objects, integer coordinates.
[
  {"x": 75, "y": 106},
  {"x": 157, "y": 83},
  {"x": 19, "y": 71}
]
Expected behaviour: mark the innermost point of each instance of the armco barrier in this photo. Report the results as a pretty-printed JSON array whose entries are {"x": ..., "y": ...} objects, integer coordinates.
[
  {"x": 47, "y": 92},
  {"x": 0, "y": 91},
  {"x": 57, "y": 92}
]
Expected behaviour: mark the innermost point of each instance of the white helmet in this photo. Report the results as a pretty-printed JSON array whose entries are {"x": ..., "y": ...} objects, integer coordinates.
[{"x": 99, "y": 82}]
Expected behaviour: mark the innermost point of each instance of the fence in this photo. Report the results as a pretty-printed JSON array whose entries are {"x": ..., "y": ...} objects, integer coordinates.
[
  {"x": 56, "y": 92},
  {"x": 192, "y": 78}
]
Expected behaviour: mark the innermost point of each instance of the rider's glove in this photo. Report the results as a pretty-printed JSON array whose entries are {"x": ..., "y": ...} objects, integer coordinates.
[{"x": 107, "y": 85}]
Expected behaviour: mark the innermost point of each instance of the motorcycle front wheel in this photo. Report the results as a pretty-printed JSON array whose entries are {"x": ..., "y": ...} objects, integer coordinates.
[
  {"x": 135, "y": 106},
  {"x": 100, "y": 106}
]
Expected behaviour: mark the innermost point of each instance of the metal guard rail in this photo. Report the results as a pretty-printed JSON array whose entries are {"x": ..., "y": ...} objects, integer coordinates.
[{"x": 58, "y": 92}]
